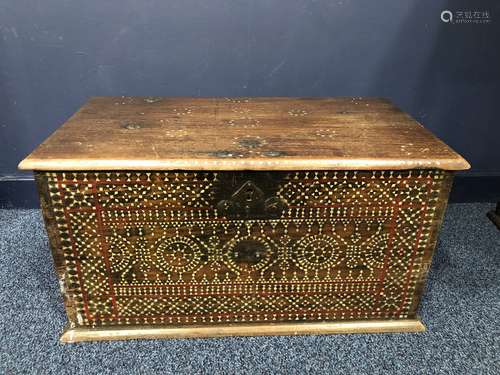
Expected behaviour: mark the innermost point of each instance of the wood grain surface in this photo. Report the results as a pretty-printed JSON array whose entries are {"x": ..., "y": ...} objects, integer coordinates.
[
  {"x": 72, "y": 335},
  {"x": 167, "y": 133}
]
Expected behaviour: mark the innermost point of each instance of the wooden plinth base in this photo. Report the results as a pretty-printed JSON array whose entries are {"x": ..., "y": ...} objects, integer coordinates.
[{"x": 158, "y": 332}]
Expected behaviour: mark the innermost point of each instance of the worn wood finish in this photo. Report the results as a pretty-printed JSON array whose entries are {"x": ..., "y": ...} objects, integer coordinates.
[
  {"x": 56, "y": 240},
  {"x": 159, "y": 248},
  {"x": 73, "y": 335},
  {"x": 145, "y": 133},
  {"x": 182, "y": 217}
]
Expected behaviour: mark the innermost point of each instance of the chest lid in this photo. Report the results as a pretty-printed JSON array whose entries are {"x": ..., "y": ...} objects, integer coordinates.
[{"x": 276, "y": 133}]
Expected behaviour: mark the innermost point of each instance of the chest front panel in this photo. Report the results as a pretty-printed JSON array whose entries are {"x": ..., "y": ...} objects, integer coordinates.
[{"x": 176, "y": 248}]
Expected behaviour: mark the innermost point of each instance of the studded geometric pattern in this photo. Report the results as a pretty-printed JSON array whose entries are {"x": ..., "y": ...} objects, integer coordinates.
[{"x": 152, "y": 248}]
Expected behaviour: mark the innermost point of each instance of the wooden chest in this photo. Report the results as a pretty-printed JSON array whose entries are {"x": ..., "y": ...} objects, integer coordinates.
[{"x": 183, "y": 217}]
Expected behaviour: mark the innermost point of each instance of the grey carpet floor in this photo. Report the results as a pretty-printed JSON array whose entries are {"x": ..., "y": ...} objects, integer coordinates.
[{"x": 461, "y": 308}]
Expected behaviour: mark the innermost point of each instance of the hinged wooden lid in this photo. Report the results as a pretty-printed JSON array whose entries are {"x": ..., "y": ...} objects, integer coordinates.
[{"x": 154, "y": 133}]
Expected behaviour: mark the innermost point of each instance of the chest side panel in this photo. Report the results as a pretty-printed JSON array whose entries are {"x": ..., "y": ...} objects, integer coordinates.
[{"x": 204, "y": 248}]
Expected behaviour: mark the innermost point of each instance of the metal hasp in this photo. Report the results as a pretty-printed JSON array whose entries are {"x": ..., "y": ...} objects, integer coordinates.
[{"x": 249, "y": 201}]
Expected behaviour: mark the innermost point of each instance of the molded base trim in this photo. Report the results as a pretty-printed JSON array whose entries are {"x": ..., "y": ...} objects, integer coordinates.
[{"x": 79, "y": 334}]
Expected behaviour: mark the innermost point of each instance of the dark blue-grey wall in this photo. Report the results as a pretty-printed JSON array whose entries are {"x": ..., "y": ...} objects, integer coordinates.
[{"x": 55, "y": 54}]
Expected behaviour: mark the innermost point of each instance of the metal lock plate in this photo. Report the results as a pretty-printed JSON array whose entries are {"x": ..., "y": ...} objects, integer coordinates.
[{"x": 249, "y": 201}]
